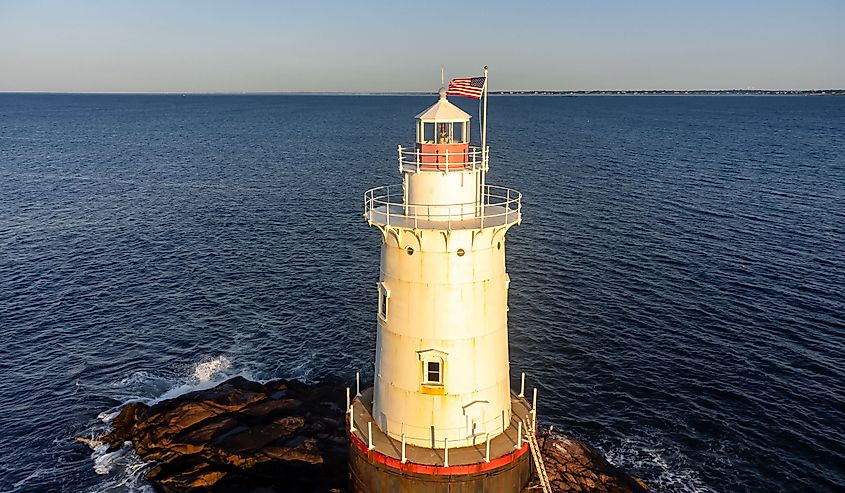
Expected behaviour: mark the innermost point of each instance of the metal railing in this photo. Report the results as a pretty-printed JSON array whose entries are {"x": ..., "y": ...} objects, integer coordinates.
[
  {"x": 454, "y": 437},
  {"x": 413, "y": 161},
  {"x": 526, "y": 424},
  {"x": 442, "y": 438},
  {"x": 496, "y": 206}
]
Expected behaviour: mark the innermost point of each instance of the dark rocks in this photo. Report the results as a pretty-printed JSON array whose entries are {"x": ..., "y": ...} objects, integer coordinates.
[
  {"x": 573, "y": 466},
  {"x": 286, "y": 436},
  {"x": 241, "y": 436}
]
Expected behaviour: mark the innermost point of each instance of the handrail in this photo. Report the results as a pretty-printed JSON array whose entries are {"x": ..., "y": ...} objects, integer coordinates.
[
  {"x": 454, "y": 437},
  {"x": 412, "y": 160},
  {"x": 537, "y": 455},
  {"x": 496, "y": 206}
]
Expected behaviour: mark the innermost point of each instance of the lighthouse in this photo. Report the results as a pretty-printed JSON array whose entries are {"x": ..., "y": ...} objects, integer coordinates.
[{"x": 441, "y": 410}]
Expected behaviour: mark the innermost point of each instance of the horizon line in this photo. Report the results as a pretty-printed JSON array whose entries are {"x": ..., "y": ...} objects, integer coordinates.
[{"x": 502, "y": 92}]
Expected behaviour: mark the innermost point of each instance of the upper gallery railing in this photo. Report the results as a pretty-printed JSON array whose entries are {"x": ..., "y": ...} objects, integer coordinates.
[{"x": 496, "y": 206}]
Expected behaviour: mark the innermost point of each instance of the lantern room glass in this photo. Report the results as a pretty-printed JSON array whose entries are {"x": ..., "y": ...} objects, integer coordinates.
[{"x": 443, "y": 133}]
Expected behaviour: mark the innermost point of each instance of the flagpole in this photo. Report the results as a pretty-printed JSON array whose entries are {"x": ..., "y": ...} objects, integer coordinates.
[{"x": 484, "y": 156}]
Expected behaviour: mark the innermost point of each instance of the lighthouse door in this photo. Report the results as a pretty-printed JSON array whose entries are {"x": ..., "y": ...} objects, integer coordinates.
[{"x": 474, "y": 415}]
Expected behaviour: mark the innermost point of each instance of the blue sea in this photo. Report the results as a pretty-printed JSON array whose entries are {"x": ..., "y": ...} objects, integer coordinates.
[{"x": 677, "y": 281}]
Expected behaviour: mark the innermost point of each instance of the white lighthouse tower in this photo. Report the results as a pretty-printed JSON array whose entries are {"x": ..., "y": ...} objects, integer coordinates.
[
  {"x": 441, "y": 369},
  {"x": 441, "y": 405}
]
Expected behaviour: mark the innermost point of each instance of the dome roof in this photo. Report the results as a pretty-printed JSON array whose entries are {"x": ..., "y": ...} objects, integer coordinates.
[{"x": 443, "y": 111}]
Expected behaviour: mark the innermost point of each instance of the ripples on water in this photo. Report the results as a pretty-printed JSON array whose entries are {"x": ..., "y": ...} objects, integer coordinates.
[{"x": 677, "y": 280}]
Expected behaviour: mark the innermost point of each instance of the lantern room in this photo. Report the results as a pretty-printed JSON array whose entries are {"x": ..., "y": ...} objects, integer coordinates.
[{"x": 443, "y": 135}]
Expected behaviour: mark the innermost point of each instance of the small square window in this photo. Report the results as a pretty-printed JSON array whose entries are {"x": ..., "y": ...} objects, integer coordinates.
[{"x": 433, "y": 372}]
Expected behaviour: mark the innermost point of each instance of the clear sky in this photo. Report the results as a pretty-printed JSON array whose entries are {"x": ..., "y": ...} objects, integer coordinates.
[{"x": 363, "y": 46}]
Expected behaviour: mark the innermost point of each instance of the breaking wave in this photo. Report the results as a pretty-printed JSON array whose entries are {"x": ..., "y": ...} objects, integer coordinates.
[{"x": 123, "y": 469}]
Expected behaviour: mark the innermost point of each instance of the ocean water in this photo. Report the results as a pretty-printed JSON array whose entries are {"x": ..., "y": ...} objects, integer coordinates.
[{"x": 677, "y": 281}]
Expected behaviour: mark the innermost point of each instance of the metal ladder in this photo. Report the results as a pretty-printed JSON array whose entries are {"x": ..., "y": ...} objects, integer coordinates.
[{"x": 538, "y": 459}]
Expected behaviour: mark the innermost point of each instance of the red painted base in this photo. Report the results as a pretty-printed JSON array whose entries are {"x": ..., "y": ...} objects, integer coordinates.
[{"x": 372, "y": 472}]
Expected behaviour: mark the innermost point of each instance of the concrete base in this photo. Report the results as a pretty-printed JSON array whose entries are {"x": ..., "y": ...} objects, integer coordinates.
[{"x": 371, "y": 476}]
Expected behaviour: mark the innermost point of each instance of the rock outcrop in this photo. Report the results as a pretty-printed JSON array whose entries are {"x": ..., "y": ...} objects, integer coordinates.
[
  {"x": 286, "y": 436},
  {"x": 241, "y": 436},
  {"x": 575, "y": 467}
]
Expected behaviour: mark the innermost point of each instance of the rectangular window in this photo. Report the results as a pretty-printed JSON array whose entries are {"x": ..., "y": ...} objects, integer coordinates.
[
  {"x": 458, "y": 132},
  {"x": 433, "y": 372},
  {"x": 383, "y": 300},
  {"x": 428, "y": 132},
  {"x": 444, "y": 133}
]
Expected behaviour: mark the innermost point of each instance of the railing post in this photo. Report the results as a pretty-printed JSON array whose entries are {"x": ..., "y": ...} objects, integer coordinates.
[
  {"x": 404, "y": 458},
  {"x": 351, "y": 420},
  {"x": 519, "y": 435},
  {"x": 534, "y": 412},
  {"x": 522, "y": 386},
  {"x": 418, "y": 160},
  {"x": 357, "y": 384},
  {"x": 508, "y": 206},
  {"x": 400, "y": 158},
  {"x": 487, "y": 454},
  {"x": 348, "y": 402},
  {"x": 447, "y": 161},
  {"x": 370, "y": 435},
  {"x": 445, "y": 452},
  {"x": 387, "y": 206},
  {"x": 487, "y": 159}
]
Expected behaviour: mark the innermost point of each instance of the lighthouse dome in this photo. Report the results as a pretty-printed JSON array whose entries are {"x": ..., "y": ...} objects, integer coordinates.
[{"x": 443, "y": 111}]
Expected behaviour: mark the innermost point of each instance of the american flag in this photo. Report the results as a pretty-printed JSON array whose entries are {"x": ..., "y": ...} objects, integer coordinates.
[{"x": 471, "y": 87}]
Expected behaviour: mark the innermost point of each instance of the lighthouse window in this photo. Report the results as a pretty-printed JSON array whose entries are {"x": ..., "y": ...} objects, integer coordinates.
[
  {"x": 383, "y": 300},
  {"x": 444, "y": 133},
  {"x": 432, "y": 372},
  {"x": 428, "y": 132},
  {"x": 458, "y": 132}
]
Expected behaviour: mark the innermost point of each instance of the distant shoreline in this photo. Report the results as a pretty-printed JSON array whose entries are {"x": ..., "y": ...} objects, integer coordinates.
[
  {"x": 650, "y": 92},
  {"x": 680, "y": 92}
]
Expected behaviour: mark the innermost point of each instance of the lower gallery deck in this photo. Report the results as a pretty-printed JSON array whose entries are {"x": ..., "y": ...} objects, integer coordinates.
[
  {"x": 504, "y": 446},
  {"x": 376, "y": 465}
]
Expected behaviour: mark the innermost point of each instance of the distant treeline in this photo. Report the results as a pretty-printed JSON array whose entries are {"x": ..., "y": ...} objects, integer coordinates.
[{"x": 669, "y": 92}]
